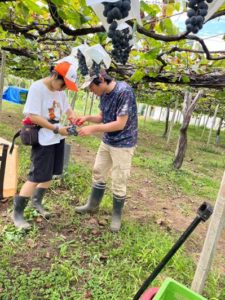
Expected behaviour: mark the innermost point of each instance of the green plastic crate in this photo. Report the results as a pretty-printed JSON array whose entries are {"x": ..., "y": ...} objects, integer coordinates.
[{"x": 173, "y": 290}]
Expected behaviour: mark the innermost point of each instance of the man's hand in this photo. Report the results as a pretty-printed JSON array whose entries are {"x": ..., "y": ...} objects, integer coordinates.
[
  {"x": 87, "y": 130},
  {"x": 80, "y": 120}
]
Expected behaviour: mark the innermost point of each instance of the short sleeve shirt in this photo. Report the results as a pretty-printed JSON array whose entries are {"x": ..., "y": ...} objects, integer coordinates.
[
  {"x": 120, "y": 102},
  {"x": 49, "y": 105}
]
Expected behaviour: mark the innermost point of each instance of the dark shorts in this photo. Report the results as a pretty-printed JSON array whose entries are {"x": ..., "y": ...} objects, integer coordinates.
[{"x": 46, "y": 161}]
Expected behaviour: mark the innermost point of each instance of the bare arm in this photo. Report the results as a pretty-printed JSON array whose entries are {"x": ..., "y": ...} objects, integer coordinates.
[
  {"x": 117, "y": 125},
  {"x": 70, "y": 114},
  {"x": 44, "y": 123},
  {"x": 36, "y": 119},
  {"x": 93, "y": 119}
]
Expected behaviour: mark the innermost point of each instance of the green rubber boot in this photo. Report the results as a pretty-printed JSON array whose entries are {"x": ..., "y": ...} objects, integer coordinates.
[
  {"x": 37, "y": 202},
  {"x": 20, "y": 203},
  {"x": 118, "y": 203},
  {"x": 94, "y": 200}
]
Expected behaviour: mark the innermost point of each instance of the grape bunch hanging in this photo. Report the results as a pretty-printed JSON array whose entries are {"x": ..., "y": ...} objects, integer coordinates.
[
  {"x": 121, "y": 45},
  {"x": 82, "y": 63},
  {"x": 95, "y": 68},
  {"x": 120, "y": 38},
  {"x": 196, "y": 14}
]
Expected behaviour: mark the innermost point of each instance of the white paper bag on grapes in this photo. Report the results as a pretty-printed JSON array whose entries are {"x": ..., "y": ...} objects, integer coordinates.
[
  {"x": 82, "y": 49},
  {"x": 98, "y": 8},
  {"x": 213, "y": 7},
  {"x": 98, "y": 54},
  {"x": 70, "y": 59}
]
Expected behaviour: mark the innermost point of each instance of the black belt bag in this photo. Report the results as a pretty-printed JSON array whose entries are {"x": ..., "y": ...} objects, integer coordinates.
[{"x": 28, "y": 135}]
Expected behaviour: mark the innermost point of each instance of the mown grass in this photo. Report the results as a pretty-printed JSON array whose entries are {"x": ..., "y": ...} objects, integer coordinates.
[{"x": 74, "y": 257}]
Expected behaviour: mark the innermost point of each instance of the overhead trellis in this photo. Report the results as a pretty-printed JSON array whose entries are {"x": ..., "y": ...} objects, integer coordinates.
[{"x": 35, "y": 34}]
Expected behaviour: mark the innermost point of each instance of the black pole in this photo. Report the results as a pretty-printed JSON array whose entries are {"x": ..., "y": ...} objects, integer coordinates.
[{"x": 204, "y": 212}]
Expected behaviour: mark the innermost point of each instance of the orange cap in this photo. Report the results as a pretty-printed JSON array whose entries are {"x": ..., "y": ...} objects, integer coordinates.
[{"x": 69, "y": 74}]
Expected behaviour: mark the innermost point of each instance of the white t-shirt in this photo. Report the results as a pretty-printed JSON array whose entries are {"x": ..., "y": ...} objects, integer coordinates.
[{"x": 49, "y": 105}]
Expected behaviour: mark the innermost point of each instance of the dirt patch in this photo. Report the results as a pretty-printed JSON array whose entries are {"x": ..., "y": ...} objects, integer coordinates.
[
  {"x": 12, "y": 119},
  {"x": 168, "y": 208}
]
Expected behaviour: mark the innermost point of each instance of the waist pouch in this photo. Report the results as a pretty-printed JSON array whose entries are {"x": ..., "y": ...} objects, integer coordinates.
[{"x": 28, "y": 135}]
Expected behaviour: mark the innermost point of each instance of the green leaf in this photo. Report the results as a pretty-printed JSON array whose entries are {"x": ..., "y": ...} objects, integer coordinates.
[
  {"x": 137, "y": 76},
  {"x": 185, "y": 79},
  {"x": 168, "y": 27},
  {"x": 150, "y": 9},
  {"x": 152, "y": 54},
  {"x": 34, "y": 7}
]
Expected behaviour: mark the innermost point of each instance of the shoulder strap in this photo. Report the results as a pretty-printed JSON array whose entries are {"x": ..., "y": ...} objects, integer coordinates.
[{"x": 16, "y": 135}]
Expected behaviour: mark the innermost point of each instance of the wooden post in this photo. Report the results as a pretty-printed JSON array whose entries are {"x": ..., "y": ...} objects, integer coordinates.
[
  {"x": 73, "y": 101},
  {"x": 92, "y": 102},
  {"x": 86, "y": 101},
  {"x": 212, "y": 237},
  {"x": 160, "y": 113},
  {"x": 199, "y": 120},
  {"x": 2, "y": 75},
  {"x": 205, "y": 125},
  {"x": 167, "y": 121},
  {"x": 146, "y": 113},
  {"x": 213, "y": 124}
]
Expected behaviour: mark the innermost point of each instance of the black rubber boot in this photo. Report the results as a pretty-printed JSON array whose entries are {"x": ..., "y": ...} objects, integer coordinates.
[
  {"x": 37, "y": 202},
  {"x": 94, "y": 200},
  {"x": 118, "y": 203},
  {"x": 20, "y": 203}
]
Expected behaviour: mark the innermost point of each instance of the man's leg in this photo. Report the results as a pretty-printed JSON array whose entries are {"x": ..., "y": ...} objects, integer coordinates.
[
  {"x": 103, "y": 163},
  {"x": 122, "y": 158}
]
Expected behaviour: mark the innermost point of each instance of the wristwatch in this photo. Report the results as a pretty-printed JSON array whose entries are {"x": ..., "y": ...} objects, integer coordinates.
[{"x": 56, "y": 130}]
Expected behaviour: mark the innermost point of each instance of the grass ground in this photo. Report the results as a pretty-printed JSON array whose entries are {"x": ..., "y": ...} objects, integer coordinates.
[{"x": 76, "y": 257}]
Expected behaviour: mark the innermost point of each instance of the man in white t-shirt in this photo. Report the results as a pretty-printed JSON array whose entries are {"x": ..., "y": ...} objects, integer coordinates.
[{"x": 45, "y": 105}]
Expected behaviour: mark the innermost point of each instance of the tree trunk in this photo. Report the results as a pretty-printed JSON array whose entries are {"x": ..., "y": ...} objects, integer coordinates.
[
  {"x": 218, "y": 132},
  {"x": 167, "y": 121},
  {"x": 181, "y": 148},
  {"x": 188, "y": 108}
]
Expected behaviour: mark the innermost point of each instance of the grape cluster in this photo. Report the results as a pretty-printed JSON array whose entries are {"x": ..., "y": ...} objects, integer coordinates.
[
  {"x": 121, "y": 45},
  {"x": 116, "y": 10},
  {"x": 196, "y": 14},
  {"x": 82, "y": 63},
  {"x": 95, "y": 68},
  {"x": 120, "y": 38},
  {"x": 72, "y": 130}
]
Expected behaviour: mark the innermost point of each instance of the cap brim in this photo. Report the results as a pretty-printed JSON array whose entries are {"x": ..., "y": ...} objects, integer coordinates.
[
  {"x": 71, "y": 85},
  {"x": 86, "y": 84}
]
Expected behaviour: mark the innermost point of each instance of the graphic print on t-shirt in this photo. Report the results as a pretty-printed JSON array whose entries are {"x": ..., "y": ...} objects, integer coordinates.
[{"x": 54, "y": 112}]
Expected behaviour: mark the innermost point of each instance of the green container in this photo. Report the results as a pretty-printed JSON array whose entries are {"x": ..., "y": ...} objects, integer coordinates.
[{"x": 173, "y": 290}]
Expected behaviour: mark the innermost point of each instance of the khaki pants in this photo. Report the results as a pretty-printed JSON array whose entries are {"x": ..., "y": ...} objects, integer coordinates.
[{"x": 118, "y": 160}]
